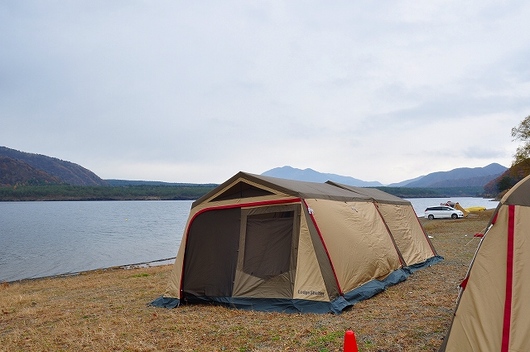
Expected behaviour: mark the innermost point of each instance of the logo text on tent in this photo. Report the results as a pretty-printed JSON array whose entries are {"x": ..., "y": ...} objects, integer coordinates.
[{"x": 310, "y": 293}]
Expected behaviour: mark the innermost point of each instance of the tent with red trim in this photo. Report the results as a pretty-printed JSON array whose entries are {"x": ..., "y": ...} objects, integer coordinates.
[
  {"x": 493, "y": 308},
  {"x": 272, "y": 244}
]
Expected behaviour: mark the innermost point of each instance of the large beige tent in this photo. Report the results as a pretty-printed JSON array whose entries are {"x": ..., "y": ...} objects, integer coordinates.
[
  {"x": 272, "y": 244},
  {"x": 493, "y": 309}
]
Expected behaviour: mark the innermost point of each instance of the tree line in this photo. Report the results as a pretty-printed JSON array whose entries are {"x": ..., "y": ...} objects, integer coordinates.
[
  {"x": 182, "y": 192},
  {"x": 520, "y": 167},
  {"x": 69, "y": 192}
]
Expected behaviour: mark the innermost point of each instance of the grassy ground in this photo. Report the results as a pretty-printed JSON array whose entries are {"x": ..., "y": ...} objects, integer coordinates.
[{"x": 107, "y": 311}]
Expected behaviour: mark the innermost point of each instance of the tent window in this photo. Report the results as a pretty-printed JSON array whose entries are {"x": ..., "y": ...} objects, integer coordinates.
[
  {"x": 268, "y": 244},
  {"x": 242, "y": 190}
]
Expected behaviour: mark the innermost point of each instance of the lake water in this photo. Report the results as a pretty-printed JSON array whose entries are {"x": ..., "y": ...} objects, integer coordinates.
[
  {"x": 40, "y": 239},
  {"x": 49, "y": 238}
]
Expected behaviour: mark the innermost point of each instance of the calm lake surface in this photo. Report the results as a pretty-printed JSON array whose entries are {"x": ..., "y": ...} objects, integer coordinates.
[{"x": 51, "y": 238}]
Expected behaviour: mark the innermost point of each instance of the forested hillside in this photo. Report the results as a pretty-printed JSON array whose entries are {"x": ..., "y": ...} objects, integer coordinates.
[
  {"x": 508, "y": 179},
  {"x": 41, "y": 169},
  {"x": 27, "y": 176},
  {"x": 17, "y": 172}
]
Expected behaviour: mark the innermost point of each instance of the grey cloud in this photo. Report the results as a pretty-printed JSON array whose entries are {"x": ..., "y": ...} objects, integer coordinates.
[{"x": 212, "y": 83}]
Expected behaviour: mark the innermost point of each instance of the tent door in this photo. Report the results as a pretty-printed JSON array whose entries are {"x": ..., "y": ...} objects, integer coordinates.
[
  {"x": 267, "y": 251},
  {"x": 211, "y": 254}
]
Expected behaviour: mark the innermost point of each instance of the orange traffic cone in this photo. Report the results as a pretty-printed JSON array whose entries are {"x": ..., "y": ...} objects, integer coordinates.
[{"x": 350, "y": 344}]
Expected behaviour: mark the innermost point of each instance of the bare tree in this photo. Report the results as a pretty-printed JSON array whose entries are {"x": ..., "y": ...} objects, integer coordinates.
[{"x": 522, "y": 154}]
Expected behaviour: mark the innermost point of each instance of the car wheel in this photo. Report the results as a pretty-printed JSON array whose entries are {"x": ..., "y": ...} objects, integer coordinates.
[
  {"x": 454, "y": 216},
  {"x": 431, "y": 216}
]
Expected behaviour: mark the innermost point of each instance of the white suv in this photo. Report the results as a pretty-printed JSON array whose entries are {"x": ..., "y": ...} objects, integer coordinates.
[{"x": 443, "y": 211}]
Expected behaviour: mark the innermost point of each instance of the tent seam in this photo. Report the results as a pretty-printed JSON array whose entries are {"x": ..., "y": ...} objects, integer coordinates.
[
  {"x": 341, "y": 293},
  {"x": 509, "y": 280}
]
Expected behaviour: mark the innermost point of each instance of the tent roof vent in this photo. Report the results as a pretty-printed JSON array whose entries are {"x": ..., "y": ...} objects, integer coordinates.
[{"x": 242, "y": 190}]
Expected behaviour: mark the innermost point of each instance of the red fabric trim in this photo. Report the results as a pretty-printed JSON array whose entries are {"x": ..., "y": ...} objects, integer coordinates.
[
  {"x": 494, "y": 220},
  {"x": 325, "y": 248},
  {"x": 250, "y": 204},
  {"x": 228, "y": 206},
  {"x": 505, "y": 346},
  {"x": 463, "y": 284}
]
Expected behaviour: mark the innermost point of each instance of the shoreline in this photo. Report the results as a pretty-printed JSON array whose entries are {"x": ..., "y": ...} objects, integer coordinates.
[{"x": 160, "y": 262}]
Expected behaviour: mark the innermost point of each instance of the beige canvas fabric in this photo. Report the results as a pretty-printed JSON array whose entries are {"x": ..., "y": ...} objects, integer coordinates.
[
  {"x": 373, "y": 194},
  {"x": 356, "y": 236},
  {"x": 493, "y": 311},
  {"x": 339, "y": 239},
  {"x": 411, "y": 239},
  {"x": 309, "y": 282},
  {"x": 477, "y": 324},
  {"x": 519, "y": 194},
  {"x": 401, "y": 220}
]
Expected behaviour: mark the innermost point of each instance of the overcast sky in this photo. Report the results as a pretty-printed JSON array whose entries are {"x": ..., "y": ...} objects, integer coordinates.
[{"x": 195, "y": 91}]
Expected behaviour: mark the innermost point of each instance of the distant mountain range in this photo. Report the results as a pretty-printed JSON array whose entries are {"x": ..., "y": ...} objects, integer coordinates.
[
  {"x": 18, "y": 167},
  {"x": 21, "y": 168},
  {"x": 461, "y": 177},
  {"x": 311, "y": 175}
]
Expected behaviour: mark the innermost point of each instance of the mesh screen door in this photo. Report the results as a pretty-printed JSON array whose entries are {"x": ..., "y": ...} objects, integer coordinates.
[
  {"x": 268, "y": 244},
  {"x": 268, "y": 251}
]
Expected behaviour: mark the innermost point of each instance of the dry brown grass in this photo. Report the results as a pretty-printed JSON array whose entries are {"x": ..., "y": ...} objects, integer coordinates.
[{"x": 107, "y": 311}]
